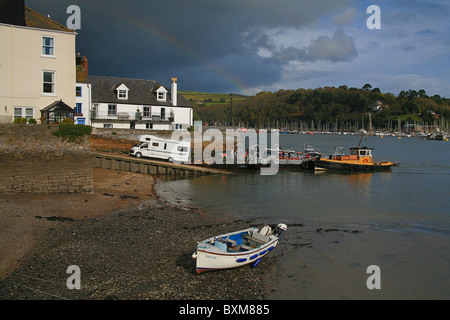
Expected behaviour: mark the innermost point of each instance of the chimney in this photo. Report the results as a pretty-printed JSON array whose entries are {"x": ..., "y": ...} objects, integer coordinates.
[
  {"x": 174, "y": 91},
  {"x": 78, "y": 59},
  {"x": 84, "y": 64},
  {"x": 12, "y": 12}
]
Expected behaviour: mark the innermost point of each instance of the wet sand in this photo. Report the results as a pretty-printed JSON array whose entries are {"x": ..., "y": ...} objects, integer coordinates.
[
  {"x": 128, "y": 243},
  {"x": 25, "y": 218}
]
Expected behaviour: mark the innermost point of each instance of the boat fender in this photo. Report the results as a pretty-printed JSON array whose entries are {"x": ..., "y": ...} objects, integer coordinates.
[
  {"x": 254, "y": 257},
  {"x": 194, "y": 255}
]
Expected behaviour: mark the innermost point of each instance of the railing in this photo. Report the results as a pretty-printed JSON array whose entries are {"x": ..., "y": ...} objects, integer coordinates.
[{"x": 133, "y": 116}]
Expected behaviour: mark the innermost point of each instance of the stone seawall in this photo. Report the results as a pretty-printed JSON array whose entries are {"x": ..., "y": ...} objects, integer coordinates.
[{"x": 33, "y": 160}]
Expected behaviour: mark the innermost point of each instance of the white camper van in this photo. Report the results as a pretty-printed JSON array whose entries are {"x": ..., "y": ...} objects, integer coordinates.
[{"x": 155, "y": 147}]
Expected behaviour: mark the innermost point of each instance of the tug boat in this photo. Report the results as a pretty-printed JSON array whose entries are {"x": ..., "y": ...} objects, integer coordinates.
[
  {"x": 236, "y": 249},
  {"x": 359, "y": 159}
]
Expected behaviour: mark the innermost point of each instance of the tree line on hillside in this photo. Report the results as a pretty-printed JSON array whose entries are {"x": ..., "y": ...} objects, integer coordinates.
[{"x": 328, "y": 105}]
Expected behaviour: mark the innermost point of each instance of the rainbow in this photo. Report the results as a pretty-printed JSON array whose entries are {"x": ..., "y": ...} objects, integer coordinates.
[{"x": 155, "y": 31}]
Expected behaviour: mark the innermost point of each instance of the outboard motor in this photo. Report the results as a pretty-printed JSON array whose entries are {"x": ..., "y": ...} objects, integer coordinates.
[{"x": 279, "y": 229}]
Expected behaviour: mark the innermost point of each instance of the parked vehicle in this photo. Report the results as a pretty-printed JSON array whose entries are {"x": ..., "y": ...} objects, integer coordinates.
[{"x": 159, "y": 148}]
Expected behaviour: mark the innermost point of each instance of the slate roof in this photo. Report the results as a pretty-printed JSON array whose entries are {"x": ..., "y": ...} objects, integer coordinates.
[
  {"x": 141, "y": 92},
  {"x": 34, "y": 19}
]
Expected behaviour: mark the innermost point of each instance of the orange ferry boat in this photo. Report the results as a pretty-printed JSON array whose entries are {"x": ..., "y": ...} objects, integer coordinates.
[{"x": 360, "y": 158}]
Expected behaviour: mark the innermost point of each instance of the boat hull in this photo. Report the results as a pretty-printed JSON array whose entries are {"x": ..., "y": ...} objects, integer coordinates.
[
  {"x": 234, "y": 250},
  {"x": 213, "y": 261},
  {"x": 349, "y": 166}
]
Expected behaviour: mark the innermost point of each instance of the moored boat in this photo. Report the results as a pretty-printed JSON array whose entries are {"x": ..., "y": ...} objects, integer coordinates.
[
  {"x": 360, "y": 158},
  {"x": 236, "y": 249}
]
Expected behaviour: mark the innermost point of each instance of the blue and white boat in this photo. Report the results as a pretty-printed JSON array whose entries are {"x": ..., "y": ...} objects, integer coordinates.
[{"x": 236, "y": 249}]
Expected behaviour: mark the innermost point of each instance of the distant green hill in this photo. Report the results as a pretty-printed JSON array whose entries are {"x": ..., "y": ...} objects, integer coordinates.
[{"x": 208, "y": 99}]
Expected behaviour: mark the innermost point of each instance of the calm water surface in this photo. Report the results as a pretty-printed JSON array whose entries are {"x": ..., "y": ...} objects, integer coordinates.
[{"x": 339, "y": 224}]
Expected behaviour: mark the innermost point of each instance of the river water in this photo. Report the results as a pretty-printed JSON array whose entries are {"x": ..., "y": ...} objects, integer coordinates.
[{"x": 340, "y": 224}]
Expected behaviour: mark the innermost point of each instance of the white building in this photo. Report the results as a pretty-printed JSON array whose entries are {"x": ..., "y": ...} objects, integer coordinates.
[
  {"x": 37, "y": 63},
  {"x": 83, "y": 107},
  {"x": 138, "y": 104}
]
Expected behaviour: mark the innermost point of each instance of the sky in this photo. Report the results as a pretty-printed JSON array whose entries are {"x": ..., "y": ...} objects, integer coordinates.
[{"x": 248, "y": 46}]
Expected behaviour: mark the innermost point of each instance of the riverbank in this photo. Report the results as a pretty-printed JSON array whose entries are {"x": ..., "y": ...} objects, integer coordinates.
[{"x": 128, "y": 243}]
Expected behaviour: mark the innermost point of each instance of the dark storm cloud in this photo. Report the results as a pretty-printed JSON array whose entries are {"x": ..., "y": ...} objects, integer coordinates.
[
  {"x": 122, "y": 38},
  {"x": 225, "y": 45}
]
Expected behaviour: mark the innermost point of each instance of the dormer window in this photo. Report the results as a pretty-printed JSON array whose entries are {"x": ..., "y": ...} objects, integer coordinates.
[
  {"x": 122, "y": 92},
  {"x": 161, "y": 94}
]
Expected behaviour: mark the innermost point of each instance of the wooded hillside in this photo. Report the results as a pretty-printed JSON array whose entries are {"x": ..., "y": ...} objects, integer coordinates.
[{"x": 328, "y": 105}]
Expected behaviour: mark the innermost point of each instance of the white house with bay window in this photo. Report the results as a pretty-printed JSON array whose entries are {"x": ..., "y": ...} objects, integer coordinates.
[
  {"x": 123, "y": 103},
  {"x": 37, "y": 63}
]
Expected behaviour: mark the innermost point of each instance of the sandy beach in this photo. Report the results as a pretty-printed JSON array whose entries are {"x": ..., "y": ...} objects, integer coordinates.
[
  {"x": 25, "y": 218},
  {"x": 128, "y": 244}
]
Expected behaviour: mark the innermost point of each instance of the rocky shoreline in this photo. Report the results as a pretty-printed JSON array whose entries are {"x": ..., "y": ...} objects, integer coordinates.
[{"x": 137, "y": 252}]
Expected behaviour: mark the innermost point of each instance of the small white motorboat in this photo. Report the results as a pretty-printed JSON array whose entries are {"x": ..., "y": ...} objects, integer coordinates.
[{"x": 237, "y": 249}]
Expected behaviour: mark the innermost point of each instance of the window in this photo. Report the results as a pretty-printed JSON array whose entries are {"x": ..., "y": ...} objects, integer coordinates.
[
  {"x": 161, "y": 94},
  {"x": 24, "y": 112},
  {"x": 121, "y": 91},
  {"x": 79, "y": 91},
  {"x": 48, "y": 46},
  {"x": 155, "y": 144},
  {"x": 78, "y": 109},
  {"x": 123, "y": 94},
  {"x": 112, "y": 110},
  {"x": 49, "y": 82},
  {"x": 147, "y": 112}
]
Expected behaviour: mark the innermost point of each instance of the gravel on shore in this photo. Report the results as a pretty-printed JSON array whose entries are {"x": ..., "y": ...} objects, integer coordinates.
[{"x": 135, "y": 252}]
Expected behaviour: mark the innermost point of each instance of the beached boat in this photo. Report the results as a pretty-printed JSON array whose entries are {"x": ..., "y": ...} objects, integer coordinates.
[
  {"x": 236, "y": 249},
  {"x": 360, "y": 158}
]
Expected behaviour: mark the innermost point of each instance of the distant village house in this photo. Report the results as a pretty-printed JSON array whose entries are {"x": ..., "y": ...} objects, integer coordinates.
[{"x": 42, "y": 79}]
